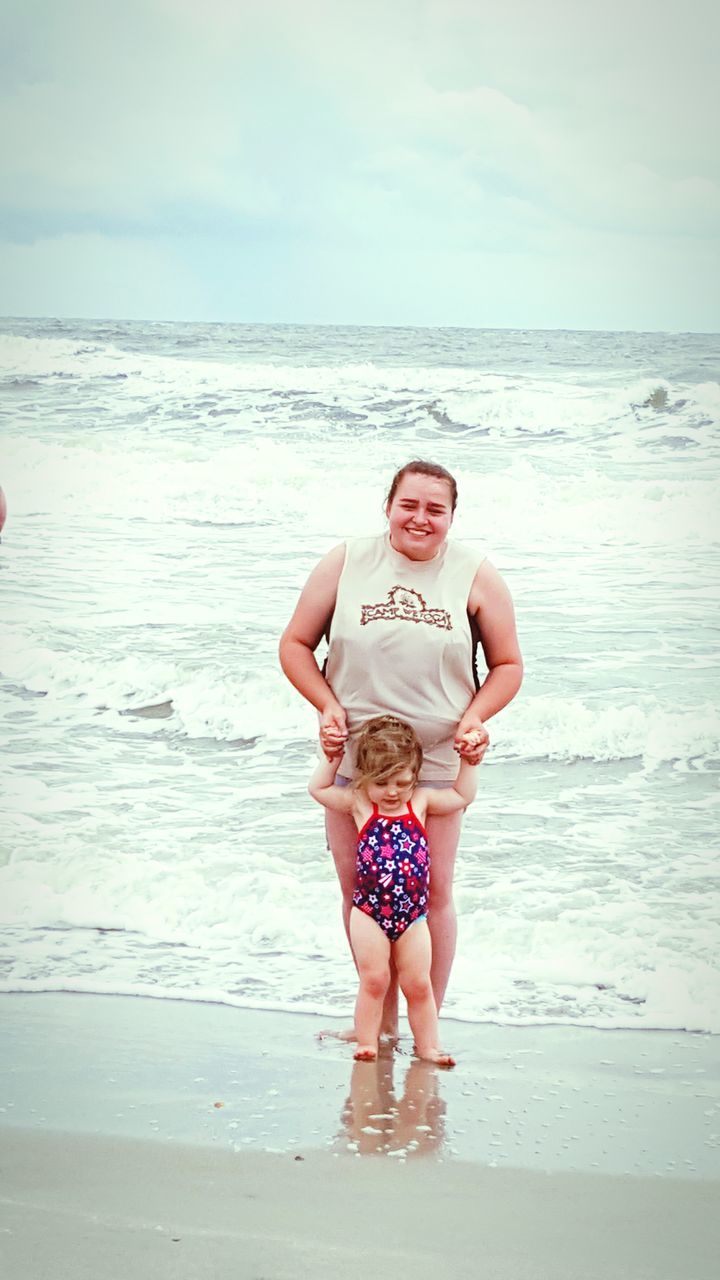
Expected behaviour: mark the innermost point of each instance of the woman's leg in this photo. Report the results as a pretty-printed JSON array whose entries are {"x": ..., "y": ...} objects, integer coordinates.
[
  {"x": 371, "y": 949},
  {"x": 443, "y": 836},
  {"x": 342, "y": 839},
  {"x": 412, "y": 957}
]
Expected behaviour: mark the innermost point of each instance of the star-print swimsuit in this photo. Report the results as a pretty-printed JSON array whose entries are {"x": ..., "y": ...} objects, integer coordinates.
[{"x": 392, "y": 871}]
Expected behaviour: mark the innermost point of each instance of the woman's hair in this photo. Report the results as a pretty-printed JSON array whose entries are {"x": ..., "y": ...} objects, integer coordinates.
[
  {"x": 421, "y": 468},
  {"x": 384, "y": 746}
]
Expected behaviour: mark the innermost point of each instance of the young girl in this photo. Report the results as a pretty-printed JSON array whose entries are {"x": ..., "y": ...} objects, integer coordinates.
[{"x": 390, "y": 901}]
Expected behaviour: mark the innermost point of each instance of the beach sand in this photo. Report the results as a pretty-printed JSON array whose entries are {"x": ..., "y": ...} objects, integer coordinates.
[{"x": 173, "y": 1139}]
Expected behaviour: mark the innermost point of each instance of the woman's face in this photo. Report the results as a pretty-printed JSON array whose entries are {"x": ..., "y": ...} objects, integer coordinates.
[{"x": 420, "y": 516}]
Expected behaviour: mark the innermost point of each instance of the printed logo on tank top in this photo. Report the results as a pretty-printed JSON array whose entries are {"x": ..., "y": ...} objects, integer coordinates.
[{"x": 405, "y": 605}]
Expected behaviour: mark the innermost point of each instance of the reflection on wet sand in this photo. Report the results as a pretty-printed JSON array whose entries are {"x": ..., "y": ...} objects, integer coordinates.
[{"x": 375, "y": 1122}]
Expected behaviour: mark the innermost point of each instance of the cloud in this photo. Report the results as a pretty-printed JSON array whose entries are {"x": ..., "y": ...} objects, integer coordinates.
[
  {"x": 93, "y": 275},
  {"x": 360, "y": 134},
  {"x": 503, "y": 146},
  {"x": 122, "y": 127}
]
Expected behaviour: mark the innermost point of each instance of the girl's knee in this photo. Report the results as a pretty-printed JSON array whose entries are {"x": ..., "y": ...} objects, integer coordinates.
[
  {"x": 375, "y": 982},
  {"x": 415, "y": 986}
]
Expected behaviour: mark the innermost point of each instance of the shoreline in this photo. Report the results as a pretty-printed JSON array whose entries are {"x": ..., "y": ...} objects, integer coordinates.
[
  {"x": 300, "y": 1010},
  {"x": 164, "y": 1139}
]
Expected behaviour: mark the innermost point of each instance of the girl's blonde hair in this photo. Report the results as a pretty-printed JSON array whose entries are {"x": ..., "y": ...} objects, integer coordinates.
[{"x": 384, "y": 746}]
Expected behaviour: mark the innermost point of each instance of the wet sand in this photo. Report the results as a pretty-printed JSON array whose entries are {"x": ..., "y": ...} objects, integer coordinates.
[{"x": 158, "y": 1138}]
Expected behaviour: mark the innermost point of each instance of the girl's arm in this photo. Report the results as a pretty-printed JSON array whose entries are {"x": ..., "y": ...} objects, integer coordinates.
[
  {"x": 453, "y": 799},
  {"x": 322, "y": 787}
]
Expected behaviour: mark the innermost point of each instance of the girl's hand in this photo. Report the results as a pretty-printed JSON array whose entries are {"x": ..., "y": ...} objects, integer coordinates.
[
  {"x": 471, "y": 740},
  {"x": 333, "y": 730}
]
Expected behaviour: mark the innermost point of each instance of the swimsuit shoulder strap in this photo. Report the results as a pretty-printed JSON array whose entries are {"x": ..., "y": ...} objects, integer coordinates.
[
  {"x": 367, "y": 824},
  {"x": 413, "y": 815}
]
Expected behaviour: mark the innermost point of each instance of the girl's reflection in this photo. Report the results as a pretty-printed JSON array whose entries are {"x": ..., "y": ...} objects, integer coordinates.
[{"x": 376, "y": 1123}]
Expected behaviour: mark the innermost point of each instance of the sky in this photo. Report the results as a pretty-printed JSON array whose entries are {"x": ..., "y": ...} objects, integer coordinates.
[{"x": 514, "y": 164}]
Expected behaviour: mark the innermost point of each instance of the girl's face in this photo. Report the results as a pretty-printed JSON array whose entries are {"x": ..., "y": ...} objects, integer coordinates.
[
  {"x": 393, "y": 793},
  {"x": 420, "y": 516}
]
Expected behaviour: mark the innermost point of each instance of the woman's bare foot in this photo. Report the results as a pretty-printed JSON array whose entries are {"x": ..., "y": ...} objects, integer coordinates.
[
  {"x": 365, "y": 1053},
  {"x": 436, "y": 1056},
  {"x": 349, "y": 1035}
]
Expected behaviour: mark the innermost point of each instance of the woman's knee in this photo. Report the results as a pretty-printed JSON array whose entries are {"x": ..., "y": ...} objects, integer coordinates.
[
  {"x": 342, "y": 841},
  {"x": 443, "y": 837},
  {"x": 441, "y": 900}
]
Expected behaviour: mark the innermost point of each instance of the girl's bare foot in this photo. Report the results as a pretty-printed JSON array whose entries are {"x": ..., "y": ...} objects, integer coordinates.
[
  {"x": 437, "y": 1057},
  {"x": 365, "y": 1053}
]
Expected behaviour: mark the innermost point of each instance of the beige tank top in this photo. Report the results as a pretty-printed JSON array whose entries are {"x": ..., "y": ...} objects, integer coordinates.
[{"x": 400, "y": 643}]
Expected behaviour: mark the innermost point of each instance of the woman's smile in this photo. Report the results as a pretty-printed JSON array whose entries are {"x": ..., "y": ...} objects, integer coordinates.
[{"x": 420, "y": 516}]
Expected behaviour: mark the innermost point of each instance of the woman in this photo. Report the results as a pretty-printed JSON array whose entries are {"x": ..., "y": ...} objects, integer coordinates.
[{"x": 403, "y": 614}]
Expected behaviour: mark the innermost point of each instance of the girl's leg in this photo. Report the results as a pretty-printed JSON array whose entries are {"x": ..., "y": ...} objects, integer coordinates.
[
  {"x": 443, "y": 836},
  {"x": 413, "y": 953},
  {"x": 342, "y": 839},
  {"x": 371, "y": 949}
]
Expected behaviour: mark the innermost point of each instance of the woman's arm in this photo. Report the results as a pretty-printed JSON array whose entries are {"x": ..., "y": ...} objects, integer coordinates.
[
  {"x": 490, "y": 605},
  {"x": 322, "y": 788},
  {"x": 300, "y": 639},
  {"x": 451, "y": 799}
]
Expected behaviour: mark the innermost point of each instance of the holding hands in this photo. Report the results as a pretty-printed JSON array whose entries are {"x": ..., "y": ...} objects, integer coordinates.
[
  {"x": 333, "y": 730},
  {"x": 472, "y": 739}
]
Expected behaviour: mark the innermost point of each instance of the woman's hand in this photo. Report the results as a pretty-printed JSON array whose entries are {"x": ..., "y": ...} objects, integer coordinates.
[
  {"x": 472, "y": 739},
  {"x": 333, "y": 730}
]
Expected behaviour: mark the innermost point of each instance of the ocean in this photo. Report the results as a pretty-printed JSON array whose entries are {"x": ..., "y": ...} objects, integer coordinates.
[{"x": 169, "y": 488}]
